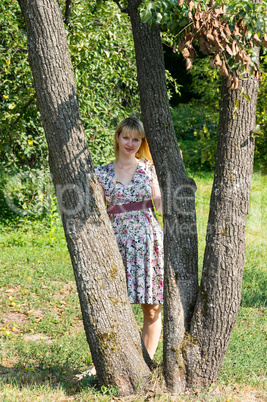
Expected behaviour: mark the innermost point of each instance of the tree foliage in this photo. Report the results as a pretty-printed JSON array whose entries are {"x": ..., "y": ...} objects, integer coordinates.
[
  {"x": 226, "y": 31},
  {"x": 102, "y": 54},
  {"x": 223, "y": 38},
  {"x": 196, "y": 122},
  {"x": 22, "y": 139},
  {"x": 101, "y": 48}
]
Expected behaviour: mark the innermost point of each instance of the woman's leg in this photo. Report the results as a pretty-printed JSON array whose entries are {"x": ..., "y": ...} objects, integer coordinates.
[{"x": 151, "y": 327}]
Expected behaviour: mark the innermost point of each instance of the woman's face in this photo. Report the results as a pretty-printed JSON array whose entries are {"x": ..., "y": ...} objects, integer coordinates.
[{"x": 129, "y": 142}]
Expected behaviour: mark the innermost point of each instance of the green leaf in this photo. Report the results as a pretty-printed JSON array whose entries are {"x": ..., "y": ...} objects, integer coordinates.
[
  {"x": 158, "y": 18},
  {"x": 146, "y": 16},
  {"x": 246, "y": 96}
]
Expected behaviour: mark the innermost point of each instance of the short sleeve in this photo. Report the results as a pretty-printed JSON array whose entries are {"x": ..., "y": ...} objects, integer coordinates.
[{"x": 151, "y": 171}]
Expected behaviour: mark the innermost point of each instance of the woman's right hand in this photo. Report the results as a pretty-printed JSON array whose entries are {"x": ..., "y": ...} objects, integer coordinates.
[{"x": 103, "y": 194}]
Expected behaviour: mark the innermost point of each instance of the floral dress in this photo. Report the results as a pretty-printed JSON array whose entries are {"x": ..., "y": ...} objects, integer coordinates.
[{"x": 138, "y": 233}]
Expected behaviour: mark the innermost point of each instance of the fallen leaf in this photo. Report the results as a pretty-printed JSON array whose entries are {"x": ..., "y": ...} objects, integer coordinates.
[
  {"x": 189, "y": 63},
  {"x": 190, "y": 5},
  {"x": 256, "y": 40},
  {"x": 212, "y": 65},
  {"x": 202, "y": 44},
  {"x": 10, "y": 291},
  {"x": 223, "y": 70},
  {"x": 217, "y": 60},
  {"x": 189, "y": 36},
  {"x": 186, "y": 53},
  {"x": 236, "y": 32},
  {"x": 235, "y": 83},
  {"x": 192, "y": 53},
  {"x": 227, "y": 30},
  {"x": 210, "y": 37},
  {"x": 229, "y": 81},
  {"x": 218, "y": 46},
  {"x": 197, "y": 24},
  {"x": 181, "y": 45},
  {"x": 235, "y": 48},
  {"x": 229, "y": 50}
]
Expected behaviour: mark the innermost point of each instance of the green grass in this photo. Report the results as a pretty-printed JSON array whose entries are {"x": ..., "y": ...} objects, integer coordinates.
[{"x": 42, "y": 341}]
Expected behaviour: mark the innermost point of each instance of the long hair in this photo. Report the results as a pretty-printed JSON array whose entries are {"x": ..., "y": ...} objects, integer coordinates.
[{"x": 133, "y": 125}]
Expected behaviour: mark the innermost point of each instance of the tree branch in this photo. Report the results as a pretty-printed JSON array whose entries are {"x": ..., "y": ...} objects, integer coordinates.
[
  {"x": 23, "y": 110},
  {"x": 122, "y": 9},
  {"x": 67, "y": 12}
]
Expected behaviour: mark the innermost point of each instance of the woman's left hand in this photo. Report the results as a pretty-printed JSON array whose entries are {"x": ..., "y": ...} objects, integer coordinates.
[{"x": 156, "y": 195}]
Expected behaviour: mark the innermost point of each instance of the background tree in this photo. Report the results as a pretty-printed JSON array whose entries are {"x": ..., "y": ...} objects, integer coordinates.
[
  {"x": 100, "y": 45},
  {"x": 204, "y": 345},
  {"x": 206, "y": 35}
]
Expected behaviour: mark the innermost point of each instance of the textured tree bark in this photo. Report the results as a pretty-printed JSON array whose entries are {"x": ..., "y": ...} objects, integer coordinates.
[
  {"x": 180, "y": 233},
  {"x": 109, "y": 323},
  {"x": 189, "y": 358},
  {"x": 220, "y": 290}
]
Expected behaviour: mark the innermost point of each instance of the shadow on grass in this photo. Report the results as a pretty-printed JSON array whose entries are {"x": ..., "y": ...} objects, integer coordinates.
[
  {"x": 55, "y": 376},
  {"x": 254, "y": 288},
  {"x": 11, "y": 219}
]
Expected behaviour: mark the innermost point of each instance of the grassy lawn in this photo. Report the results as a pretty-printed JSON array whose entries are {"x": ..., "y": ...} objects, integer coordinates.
[{"x": 42, "y": 341}]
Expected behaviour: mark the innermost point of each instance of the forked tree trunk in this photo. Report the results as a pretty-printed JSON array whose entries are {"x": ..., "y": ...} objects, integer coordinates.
[
  {"x": 178, "y": 192},
  {"x": 109, "y": 323},
  {"x": 196, "y": 357},
  {"x": 220, "y": 290}
]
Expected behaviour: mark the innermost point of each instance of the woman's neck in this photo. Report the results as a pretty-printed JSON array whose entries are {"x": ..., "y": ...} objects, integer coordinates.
[{"x": 125, "y": 161}]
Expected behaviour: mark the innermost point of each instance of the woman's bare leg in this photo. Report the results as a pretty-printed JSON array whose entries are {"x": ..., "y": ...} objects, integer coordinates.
[{"x": 151, "y": 327}]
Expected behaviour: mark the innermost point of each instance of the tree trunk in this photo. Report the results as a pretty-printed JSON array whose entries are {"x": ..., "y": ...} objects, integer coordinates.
[
  {"x": 180, "y": 233},
  {"x": 220, "y": 290},
  {"x": 189, "y": 358},
  {"x": 109, "y": 323}
]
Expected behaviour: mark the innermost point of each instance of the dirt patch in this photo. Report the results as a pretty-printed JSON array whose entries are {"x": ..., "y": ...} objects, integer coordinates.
[
  {"x": 66, "y": 290},
  {"x": 10, "y": 318},
  {"x": 37, "y": 338},
  {"x": 239, "y": 393},
  {"x": 36, "y": 313}
]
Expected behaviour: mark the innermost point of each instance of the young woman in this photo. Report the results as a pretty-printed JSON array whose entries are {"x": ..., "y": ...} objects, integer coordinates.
[{"x": 129, "y": 184}]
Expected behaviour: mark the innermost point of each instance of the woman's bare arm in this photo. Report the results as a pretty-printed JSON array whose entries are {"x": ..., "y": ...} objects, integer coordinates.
[{"x": 156, "y": 195}]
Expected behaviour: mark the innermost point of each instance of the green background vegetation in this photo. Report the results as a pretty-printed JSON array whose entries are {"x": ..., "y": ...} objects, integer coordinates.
[{"x": 42, "y": 342}]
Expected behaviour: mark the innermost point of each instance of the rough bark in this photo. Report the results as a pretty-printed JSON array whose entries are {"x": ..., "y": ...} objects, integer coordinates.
[
  {"x": 220, "y": 290},
  {"x": 180, "y": 233},
  {"x": 109, "y": 323}
]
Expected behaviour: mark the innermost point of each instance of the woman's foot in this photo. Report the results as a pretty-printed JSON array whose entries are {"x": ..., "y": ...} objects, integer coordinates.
[{"x": 90, "y": 371}]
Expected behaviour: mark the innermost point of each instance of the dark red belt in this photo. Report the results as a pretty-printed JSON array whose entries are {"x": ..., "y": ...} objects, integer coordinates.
[{"x": 132, "y": 206}]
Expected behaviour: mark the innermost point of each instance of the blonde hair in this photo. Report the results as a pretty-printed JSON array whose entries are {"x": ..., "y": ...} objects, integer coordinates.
[{"x": 134, "y": 125}]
